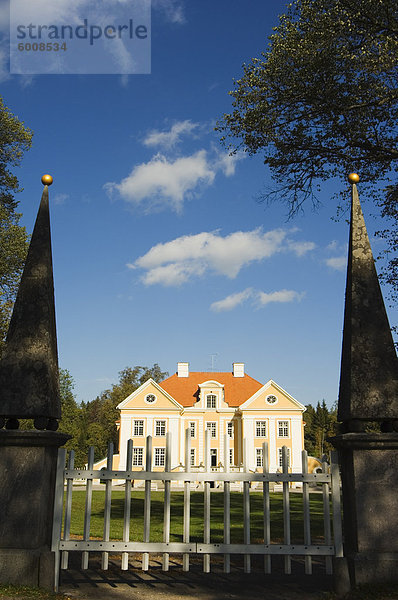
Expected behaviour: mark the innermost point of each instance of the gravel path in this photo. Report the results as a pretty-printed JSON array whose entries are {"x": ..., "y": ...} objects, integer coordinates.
[{"x": 174, "y": 584}]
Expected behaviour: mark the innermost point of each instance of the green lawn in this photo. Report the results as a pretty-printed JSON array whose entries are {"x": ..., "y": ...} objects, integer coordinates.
[{"x": 217, "y": 515}]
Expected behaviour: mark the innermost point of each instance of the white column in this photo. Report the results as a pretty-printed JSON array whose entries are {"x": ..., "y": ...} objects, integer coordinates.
[
  {"x": 149, "y": 427},
  {"x": 201, "y": 440},
  {"x": 221, "y": 440},
  {"x": 273, "y": 459},
  {"x": 249, "y": 436},
  {"x": 124, "y": 435},
  {"x": 296, "y": 444},
  {"x": 239, "y": 458},
  {"x": 173, "y": 428}
]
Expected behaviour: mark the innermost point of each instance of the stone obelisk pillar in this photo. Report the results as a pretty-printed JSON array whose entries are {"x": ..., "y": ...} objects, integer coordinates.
[
  {"x": 368, "y": 392},
  {"x": 30, "y": 390}
]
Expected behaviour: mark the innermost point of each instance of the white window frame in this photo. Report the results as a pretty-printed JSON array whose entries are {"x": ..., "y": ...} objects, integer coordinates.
[
  {"x": 231, "y": 457},
  {"x": 193, "y": 457},
  {"x": 280, "y": 461},
  {"x": 160, "y": 430},
  {"x": 261, "y": 426},
  {"x": 139, "y": 427},
  {"x": 259, "y": 457},
  {"x": 192, "y": 427},
  {"x": 148, "y": 401},
  {"x": 213, "y": 401},
  {"x": 138, "y": 456},
  {"x": 159, "y": 457},
  {"x": 282, "y": 428},
  {"x": 230, "y": 429},
  {"x": 212, "y": 425}
]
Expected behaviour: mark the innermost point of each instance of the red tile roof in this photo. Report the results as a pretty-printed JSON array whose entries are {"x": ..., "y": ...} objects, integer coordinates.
[{"x": 185, "y": 389}]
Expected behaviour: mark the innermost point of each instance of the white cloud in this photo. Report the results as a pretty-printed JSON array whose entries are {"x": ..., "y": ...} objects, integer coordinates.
[
  {"x": 179, "y": 260},
  {"x": 301, "y": 248},
  {"x": 231, "y": 301},
  {"x": 227, "y": 162},
  {"x": 259, "y": 299},
  {"x": 280, "y": 296},
  {"x": 165, "y": 183},
  {"x": 169, "y": 139},
  {"x": 337, "y": 262},
  {"x": 172, "y": 9},
  {"x": 60, "y": 198}
]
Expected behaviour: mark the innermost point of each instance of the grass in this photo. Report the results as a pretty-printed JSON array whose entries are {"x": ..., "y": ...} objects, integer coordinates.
[
  {"x": 197, "y": 510},
  {"x": 11, "y": 592}
]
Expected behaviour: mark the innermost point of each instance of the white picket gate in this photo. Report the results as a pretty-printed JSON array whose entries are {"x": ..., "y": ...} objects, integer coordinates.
[{"x": 329, "y": 480}]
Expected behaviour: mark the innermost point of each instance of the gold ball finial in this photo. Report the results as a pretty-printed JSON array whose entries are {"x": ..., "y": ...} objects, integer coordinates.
[
  {"x": 47, "y": 180},
  {"x": 353, "y": 178}
]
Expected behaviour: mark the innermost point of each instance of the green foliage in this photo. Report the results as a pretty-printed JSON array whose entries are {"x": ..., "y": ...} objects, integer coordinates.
[
  {"x": 97, "y": 419},
  {"x": 322, "y": 101},
  {"x": 320, "y": 423},
  {"x": 15, "y": 138}
]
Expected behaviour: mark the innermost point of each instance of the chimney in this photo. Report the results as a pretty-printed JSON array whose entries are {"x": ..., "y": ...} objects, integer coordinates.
[
  {"x": 238, "y": 369},
  {"x": 183, "y": 369}
]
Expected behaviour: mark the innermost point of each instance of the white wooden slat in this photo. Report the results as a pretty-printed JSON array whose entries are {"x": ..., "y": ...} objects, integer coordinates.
[
  {"x": 227, "y": 506},
  {"x": 57, "y": 512},
  {"x": 87, "y": 510},
  {"x": 187, "y": 498},
  {"x": 286, "y": 511},
  {"x": 127, "y": 505},
  {"x": 206, "y": 501},
  {"x": 198, "y": 476},
  {"x": 246, "y": 510},
  {"x": 336, "y": 504},
  {"x": 196, "y": 548},
  {"x": 166, "y": 517},
  {"x": 326, "y": 517},
  {"x": 266, "y": 509},
  {"x": 107, "y": 507},
  {"x": 147, "y": 501},
  {"x": 68, "y": 509},
  {"x": 306, "y": 513}
]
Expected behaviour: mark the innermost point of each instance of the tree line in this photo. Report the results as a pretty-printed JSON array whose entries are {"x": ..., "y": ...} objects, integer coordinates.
[{"x": 94, "y": 423}]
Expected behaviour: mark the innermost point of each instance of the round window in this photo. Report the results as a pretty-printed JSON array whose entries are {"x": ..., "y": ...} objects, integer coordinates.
[
  {"x": 150, "y": 398},
  {"x": 271, "y": 399}
]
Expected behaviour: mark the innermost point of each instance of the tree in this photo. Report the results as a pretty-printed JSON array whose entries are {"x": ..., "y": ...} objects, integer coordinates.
[
  {"x": 320, "y": 423},
  {"x": 101, "y": 414},
  {"x": 15, "y": 138},
  {"x": 322, "y": 101}
]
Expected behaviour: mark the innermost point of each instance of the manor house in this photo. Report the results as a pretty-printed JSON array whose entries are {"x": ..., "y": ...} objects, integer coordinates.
[{"x": 231, "y": 403}]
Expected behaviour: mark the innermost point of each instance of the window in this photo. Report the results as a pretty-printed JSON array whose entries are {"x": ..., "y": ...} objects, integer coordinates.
[
  {"x": 280, "y": 457},
  {"x": 160, "y": 428},
  {"x": 138, "y": 454},
  {"x": 261, "y": 428},
  {"x": 150, "y": 398},
  {"x": 213, "y": 428},
  {"x": 271, "y": 399},
  {"x": 231, "y": 456},
  {"x": 283, "y": 429},
  {"x": 230, "y": 429},
  {"x": 192, "y": 427},
  {"x": 211, "y": 401},
  {"x": 259, "y": 457},
  {"x": 160, "y": 454},
  {"x": 192, "y": 457},
  {"x": 138, "y": 427}
]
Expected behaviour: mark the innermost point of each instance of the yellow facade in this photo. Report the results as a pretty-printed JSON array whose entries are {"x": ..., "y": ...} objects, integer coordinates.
[{"x": 239, "y": 421}]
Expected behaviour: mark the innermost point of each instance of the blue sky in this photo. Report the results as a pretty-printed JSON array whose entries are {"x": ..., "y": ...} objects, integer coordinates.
[{"x": 161, "y": 251}]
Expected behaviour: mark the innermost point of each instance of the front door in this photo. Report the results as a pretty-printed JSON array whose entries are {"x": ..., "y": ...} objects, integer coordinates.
[{"x": 213, "y": 457}]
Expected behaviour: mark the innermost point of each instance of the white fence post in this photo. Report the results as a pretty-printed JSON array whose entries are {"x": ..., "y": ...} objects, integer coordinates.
[{"x": 329, "y": 479}]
